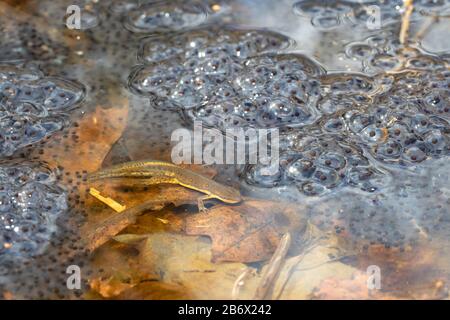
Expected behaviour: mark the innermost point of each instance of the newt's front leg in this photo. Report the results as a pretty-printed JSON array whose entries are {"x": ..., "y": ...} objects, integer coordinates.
[{"x": 201, "y": 204}]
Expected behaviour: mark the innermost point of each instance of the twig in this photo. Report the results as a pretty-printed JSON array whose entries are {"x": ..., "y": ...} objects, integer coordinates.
[
  {"x": 106, "y": 200},
  {"x": 298, "y": 260},
  {"x": 273, "y": 268},
  {"x": 409, "y": 7},
  {"x": 239, "y": 283}
]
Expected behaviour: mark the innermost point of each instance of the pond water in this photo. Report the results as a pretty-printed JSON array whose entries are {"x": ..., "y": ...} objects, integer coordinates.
[{"x": 359, "y": 92}]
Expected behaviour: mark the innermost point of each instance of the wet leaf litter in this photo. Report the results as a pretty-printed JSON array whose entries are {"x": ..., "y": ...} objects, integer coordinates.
[{"x": 152, "y": 242}]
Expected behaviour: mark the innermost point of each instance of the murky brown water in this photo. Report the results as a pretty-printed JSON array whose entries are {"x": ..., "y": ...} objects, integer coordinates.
[{"x": 364, "y": 142}]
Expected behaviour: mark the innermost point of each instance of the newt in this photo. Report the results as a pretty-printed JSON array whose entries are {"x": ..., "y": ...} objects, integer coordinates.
[{"x": 152, "y": 172}]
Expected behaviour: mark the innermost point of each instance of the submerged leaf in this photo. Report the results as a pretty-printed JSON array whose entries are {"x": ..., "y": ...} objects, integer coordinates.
[{"x": 246, "y": 233}]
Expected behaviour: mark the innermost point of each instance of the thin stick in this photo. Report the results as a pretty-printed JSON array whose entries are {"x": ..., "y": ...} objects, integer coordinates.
[
  {"x": 408, "y": 6},
  {"x": 239, "y": 283},
  {"x": 297, "y": 261},
  {"x": 273, "y": 268},
  {"x": 106, "y": 200}
]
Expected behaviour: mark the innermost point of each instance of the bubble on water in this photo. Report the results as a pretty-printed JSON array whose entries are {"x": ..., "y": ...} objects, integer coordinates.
[
  {"x": 389, "y": 11},
  {"x": 433, "y": 7},
  {"x": 325, "y": 21},
  {"x": 161, "y": 17},
  {"x": 359, "y": 51},
  {"x": 384, "y": 61},
  {"x": 347, "y": 82},
  {"x": 33, "y": 106},
  {"x": 325, "y": 15},
  {"x": 424, "y": 62},
  {"x": 256, "y": 174},
  {"x": 437, "y": 102}
]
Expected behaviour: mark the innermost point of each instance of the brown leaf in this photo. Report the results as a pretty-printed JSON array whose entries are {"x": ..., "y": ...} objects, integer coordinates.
[
  {"x": 186, "y": 261},
  {"x": 155, "y": 290},
  {"x": 115, "y": 268},
  {"x": 109, "y": 287},
  {"x": 7, "y": 295},
  {"x": 351, "y": 288},
  {"x": 95, "y": 133},
  {"x": 246, "y": 233}
]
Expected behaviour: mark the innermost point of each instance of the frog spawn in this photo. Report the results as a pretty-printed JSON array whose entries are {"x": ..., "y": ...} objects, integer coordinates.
[
  {"x": 160, "y": 17},
  {"x": 316, "y": 165},
  {"x": 30, "y": 203},
  {"x": 411, "y": 210},
  {"x": 396, "y": 121},
  {"x": 383, "y": 52},
  {"x": 324, "y": 15},
  {"x": 408, "y": 123},
  {"x": 32, "y": 106},
  {"x": 270, "y": 91},
  {"x": 329, "y": 14},
  {"x": 292, "y": 91},
  {"x": 24, "y": 42},
  {"x": 399, "y": 118},
  {"x": 203, "y": 74}
]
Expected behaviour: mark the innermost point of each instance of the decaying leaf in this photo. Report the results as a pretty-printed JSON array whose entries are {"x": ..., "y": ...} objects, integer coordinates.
[
  {"x": 95, "y": 133},
  {"x": 110, "y": 287},
  {"x": 155, "y": 290},
  {"x": 246, "y": 233},
  {"x": 302, "y": 274},
  {"x": 186, "y": 261},
  {"x": 116, "y": 269}
]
